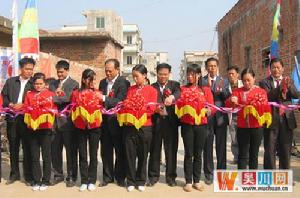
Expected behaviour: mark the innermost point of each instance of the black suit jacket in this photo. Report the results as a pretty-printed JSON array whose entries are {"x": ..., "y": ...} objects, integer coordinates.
[
  {"x": 274, "y": 95},
  {"x": 119, "y": 88},
  {"x": 219, "y": 119},
  {"x": 11, "y": 91},
  {"x": 64, "y": 123},
  {"x": 174, "y": 87}
]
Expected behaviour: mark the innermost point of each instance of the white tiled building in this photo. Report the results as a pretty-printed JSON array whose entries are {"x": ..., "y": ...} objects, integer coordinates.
[
  {"x": 151, "y": 60},
  {"x": 133, "y": 46},
  {"x": 196, "y": 57}
]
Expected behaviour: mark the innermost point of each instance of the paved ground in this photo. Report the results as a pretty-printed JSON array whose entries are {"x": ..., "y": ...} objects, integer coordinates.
[{"x": 161, "y": 190}]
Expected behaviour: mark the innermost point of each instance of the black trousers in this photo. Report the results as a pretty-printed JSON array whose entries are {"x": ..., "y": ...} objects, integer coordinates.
[
  {"x": 137, "y": 146},
  {"x": 17, "y": 133},
  {"x": 193, "y": 139},
  {"x": 88, "y": 171},
  {"x": 249, "y": 140},
  {"x": 221, "y": 140},
  {"x": 281, "y": 137},
  {"x": 166, "y": 132},
  {"x": 112, "y": 143},
  {"x": 68, "y": 139},
  {"x": 40, "y": 141}
]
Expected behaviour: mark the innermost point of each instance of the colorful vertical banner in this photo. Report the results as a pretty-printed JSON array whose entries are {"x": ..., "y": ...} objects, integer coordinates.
[
  {"x": 296, "y": 79},
  {"x": 29, "y": 31},
  {"x": 15, "y": 39},
  {"x": 274, "y": 49}
]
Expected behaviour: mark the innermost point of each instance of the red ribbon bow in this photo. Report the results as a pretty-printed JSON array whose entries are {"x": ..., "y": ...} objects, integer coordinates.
[
  {"x": 167, "y": 92},
  {"x": 111, "y": 93}
]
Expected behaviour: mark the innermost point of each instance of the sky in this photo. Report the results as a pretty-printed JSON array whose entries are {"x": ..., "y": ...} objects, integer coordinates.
[{"x": 172, "y": 26}]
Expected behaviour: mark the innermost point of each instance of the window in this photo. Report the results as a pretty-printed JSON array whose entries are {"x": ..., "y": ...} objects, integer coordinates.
[
  {"x": 100, "y": 22},
  {"x": 266, "y": 57},
  {"x": 280, "y": 34},
  {"x": 129, "y": 60},
  {"x": 248, "y": 56},
  {"x": 129, "y": 39}
]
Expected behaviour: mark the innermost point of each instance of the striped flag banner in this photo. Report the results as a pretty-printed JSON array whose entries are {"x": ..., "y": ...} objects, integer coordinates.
[
  {"x": 296, "y": 79},
  {"x": 274, "y": 49},
  {"x": 29, "y": 31}
]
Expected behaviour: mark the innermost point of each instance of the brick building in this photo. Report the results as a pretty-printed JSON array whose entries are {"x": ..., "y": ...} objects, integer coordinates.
[
  {"x": 84, "y": 46},
  {"x": 5, "y": 32},
  {"x": 245, "y": 34},
  {"x": 89, "y": 48}
]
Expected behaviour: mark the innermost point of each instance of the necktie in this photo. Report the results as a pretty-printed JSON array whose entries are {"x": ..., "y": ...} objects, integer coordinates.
[
  {"x": 212, "y": 83},
  {"x": 277, "y": 83}
]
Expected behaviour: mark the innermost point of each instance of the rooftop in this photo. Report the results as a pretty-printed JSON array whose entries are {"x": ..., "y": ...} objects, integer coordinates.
[{"x": 70, "y": 35}]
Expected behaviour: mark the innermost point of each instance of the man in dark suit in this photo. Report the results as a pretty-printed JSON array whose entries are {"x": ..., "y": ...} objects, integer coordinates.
[
  {"x": 114, "y": 88},
  {"x": 280, "y": 134},
  {"x": 64, "y": 129},
  {"x": 218, "y": 122},
  {"x": 165, "y": 127},
  {"x": 13, "y": 94}
]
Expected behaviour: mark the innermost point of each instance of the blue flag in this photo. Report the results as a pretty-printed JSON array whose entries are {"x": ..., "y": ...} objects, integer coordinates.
[{"x": 296, "y": 79}]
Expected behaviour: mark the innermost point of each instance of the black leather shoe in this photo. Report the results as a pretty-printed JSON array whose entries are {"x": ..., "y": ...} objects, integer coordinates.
[
  {"x": 121, "y": 183},
  {"x": 172, "y": 183},
  {"x": 104, "y": 183},
  {"x": 208, "y": 181},
  {"x": 58, "y": 180},
  {"x": 151, "y": 183},
  {"x": 29, "y": 183},
  {"x": 12, "y": 180},
  {"x": 70, "y": 183}
]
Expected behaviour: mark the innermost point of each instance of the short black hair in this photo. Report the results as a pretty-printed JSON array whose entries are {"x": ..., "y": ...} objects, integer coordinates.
[
  {"x": 114, "y": 61},
  {"x": 25, "y": 61},
  {"x": 211, "y": 59},
  {"x": 140, "y": 68},
  {"x": 193, "y": 68},
  {"x": 39, "y": 75},
  {"x": 234, "y": 67},
  {"x": 276, "y": 60},
  {"x": 163, "y": 66},
  {"x": 248, "y": 71},
  {"x": 63, "y": 64}
]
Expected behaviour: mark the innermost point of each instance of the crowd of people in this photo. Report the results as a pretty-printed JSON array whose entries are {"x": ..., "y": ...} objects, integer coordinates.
[{"x": 131, "y": 122}]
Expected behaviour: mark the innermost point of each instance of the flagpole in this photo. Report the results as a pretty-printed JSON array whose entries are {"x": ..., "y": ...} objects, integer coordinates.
[
  {"x": 297, "y": 65},
  {"x": 15, "y": 42}
]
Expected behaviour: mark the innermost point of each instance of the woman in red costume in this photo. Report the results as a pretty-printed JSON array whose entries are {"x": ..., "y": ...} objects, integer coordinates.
[
  {"x": 192, "y": 111},
  {"x": 87, "y": 117},
  {"x": 136, "y": 116},
  {"x": 39, "y": 117},
  {"x": 255, "y": 113}
]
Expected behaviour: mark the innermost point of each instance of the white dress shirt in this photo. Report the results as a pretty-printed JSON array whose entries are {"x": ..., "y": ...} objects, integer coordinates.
[
  {"x": 63, "y": 81},
  {"x": 277, "y": 82},
  {"x": 110, "y": 84},
  {"x": 21, "y": 93}
]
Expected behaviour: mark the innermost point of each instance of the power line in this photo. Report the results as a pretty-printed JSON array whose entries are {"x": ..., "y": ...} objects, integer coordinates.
[
  {"x": 213, "y": 40},
  {"x": 180, "y": 37}
]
